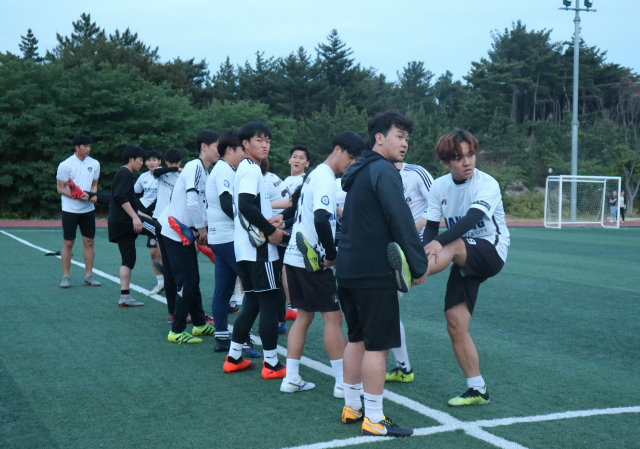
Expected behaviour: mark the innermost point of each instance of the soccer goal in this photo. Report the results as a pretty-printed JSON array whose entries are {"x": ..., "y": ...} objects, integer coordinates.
[{"x": 582, "y": 200}]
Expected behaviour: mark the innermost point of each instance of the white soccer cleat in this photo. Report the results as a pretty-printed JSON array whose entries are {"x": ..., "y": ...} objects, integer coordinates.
[
  {"x": 338, "y": 392},
  {"x": 157, "y": 289},
  {"x": 256, "y": 237},
  {"x": 290, "y": 387}
]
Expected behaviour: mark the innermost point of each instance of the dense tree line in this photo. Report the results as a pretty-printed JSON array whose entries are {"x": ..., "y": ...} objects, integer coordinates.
[{"x": 517, "y": 100}]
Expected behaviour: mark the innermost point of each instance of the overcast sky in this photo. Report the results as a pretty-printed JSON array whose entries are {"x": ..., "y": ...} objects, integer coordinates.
[{"x": 445, "y": 34}]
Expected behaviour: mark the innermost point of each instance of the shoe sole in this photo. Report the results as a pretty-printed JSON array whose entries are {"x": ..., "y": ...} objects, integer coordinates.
[
  {"x": 395, "y": 259},
  {"x": 275, "y": 374},
  {"x": 65, "y": 286},
  {"x": 298, "y": 391},
  {"x": 173, "y": 224},
  {"x": 466, "y": 405},
  {"x": 129, "y": 305},
  {"x": 89, "y": 285},
  {"x": 304, "y": 249}
]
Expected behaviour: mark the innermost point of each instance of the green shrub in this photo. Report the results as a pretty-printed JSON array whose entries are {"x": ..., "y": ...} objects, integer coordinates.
[{"x": 525, "y": 205}]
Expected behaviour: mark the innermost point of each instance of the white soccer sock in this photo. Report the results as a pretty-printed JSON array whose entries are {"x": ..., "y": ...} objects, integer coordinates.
[
  {"x": 373, "y": 407},
  {"x": 337, "y": 371},
  {"x": 293, "y": 370},
  {"x": 352, "y": 396},
  {"x": 477, "y": 383},
  {"x": 233, "y": 301},
  {"x": 401, "y": 354},
  {"x": 237, "y": 290},
  {"x": 235, "y": 350},
  {"x": 160, "y": 278},
  {"x": 270, "y": 356}
]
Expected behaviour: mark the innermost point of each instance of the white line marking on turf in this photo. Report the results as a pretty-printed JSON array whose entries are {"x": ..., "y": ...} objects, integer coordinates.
[
  {"x": 448, "y": 422},
  {"x": 134, "y": 287}
]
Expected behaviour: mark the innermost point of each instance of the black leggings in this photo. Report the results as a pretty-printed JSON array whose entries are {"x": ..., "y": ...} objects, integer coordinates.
[
  {"x": 622, "y": 211},
  {"x": 267, "y": 304}
]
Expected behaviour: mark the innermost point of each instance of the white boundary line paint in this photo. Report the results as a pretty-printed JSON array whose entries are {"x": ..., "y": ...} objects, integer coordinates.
[
  {"x": 448, "y": 422},
  {"x": 134, "y": 287}
]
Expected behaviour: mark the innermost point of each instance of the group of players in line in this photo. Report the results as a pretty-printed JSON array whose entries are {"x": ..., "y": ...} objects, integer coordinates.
[{"x": 280, "y": 239}]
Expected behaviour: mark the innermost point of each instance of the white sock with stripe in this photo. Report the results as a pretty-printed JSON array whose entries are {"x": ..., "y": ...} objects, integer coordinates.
[
  {"x": 373, "y": 407},
  {"x": 352, "y": 396},
  {"x": 270, "y": 357},
  {"x": 235, "y": 350},
  {"x": 477, "y": 383}
]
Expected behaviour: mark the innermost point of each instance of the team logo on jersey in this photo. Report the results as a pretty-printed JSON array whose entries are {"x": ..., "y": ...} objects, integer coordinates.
[
  {"x": 90, "y": 169},
  {"x": 325, "y": 200},
  {"x": 226, "y": 183},
  {"x": 443, "y": 203},
  {"x": 408, "y": 199},
  {"x": 483, "y": 203}
]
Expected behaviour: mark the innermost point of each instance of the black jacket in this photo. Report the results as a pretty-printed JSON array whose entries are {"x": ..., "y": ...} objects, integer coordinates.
[
  {"x": 119, "y": 221},
  {"x": 375, "y": 214}
]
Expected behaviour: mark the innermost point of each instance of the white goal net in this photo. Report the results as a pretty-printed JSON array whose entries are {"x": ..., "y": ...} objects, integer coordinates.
[{"x": 582, "y": 200}]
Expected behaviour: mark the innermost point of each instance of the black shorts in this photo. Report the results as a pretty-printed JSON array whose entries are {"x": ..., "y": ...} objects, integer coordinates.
[
  {"x": 312, "y": 292},
  {"x": 152, "y": 241},
  {"x": 483, "y": 262},
  {"x": 259, "y": 276},
  {"x": 71, "y": 221},
  {"x": 127, "y": 246},
  {"x": 372, "y": 316}
]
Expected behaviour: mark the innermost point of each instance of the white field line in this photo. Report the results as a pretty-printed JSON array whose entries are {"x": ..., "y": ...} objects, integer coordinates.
[
  {"x": 448, "y": 422},
  {"x": 134, "y": 287}
]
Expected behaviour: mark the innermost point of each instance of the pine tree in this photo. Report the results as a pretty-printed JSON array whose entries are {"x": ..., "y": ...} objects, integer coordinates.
[{"x": 29, "y": 47}]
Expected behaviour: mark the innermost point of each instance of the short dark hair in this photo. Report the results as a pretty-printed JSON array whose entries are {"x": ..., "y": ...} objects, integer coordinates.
[
  {"x": 228, "y": 139},
  {"x": 152, "y": 153},
  {"x": 384, "y": 121},
  {"x": 448, "y": 146},
  {"x": 82, "y": 139},
  {"x": 350, "y": 142},
  {"x": 253, "y": 129},
  {"x": 173, "y": 155},
  {"x": 300, "y": 148},
  {"x": 207, "y": 137},
  {"x": 132, "y": 152}
]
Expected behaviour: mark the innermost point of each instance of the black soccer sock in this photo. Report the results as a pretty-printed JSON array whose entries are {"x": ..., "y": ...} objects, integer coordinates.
[{"x": 124, "y": 292}]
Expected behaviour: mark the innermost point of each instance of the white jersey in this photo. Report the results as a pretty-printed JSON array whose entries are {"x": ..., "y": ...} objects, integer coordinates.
[
  {"x": 83, "y": 173},
  {"x": 249, "y": 179},
  {"x": 341, "y": 195},
  {"x": 416, "y": 183},
  {"x": 452, "y": 201},
  {"x": 318, "y": 192},
  {"x": 192, "y": 178},
  {"x": 221, "y": 228},
  {"x": 291, "y": 183},
  {"x": 277, "y": 190},
  {"x": 165, "y": 188},
  {"x": 148, "y": 184}
]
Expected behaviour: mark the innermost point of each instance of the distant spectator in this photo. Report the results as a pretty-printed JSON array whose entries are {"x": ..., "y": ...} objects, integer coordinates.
[
  {"x": 623, "y": 205},
  {"x": 613, "y": 206}
]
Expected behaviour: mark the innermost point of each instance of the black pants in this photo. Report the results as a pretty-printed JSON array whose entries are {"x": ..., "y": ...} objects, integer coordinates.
[
  {"x": 169, "y": 282},
  {"x": 183, "y": 261},
  {"x": 622, "y": 211},
  {"x": 268, "y": 304},
  {"x": 282, "y": 295}
]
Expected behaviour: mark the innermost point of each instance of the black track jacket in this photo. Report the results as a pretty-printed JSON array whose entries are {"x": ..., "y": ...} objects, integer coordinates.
[{"x": 375, "y": 214}]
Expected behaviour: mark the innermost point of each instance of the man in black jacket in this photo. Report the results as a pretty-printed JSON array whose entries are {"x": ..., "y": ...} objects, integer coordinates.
[{"x": 375, "y": 214}]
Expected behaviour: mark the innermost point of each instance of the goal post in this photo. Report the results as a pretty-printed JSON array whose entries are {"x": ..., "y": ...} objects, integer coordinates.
[{"x": 591, "y": 201}]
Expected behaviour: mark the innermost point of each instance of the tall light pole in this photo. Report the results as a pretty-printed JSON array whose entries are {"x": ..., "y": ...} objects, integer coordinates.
[{"x": 574, "y": 122}]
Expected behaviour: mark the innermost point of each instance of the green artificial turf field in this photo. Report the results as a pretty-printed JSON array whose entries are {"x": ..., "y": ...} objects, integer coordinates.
[{"x": 557, "y": 331}]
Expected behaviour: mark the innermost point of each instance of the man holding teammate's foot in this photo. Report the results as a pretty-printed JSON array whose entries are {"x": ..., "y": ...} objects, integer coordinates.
[
  {"x": 375, "y": 216},
  {"x": 312, "y": 283}
]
